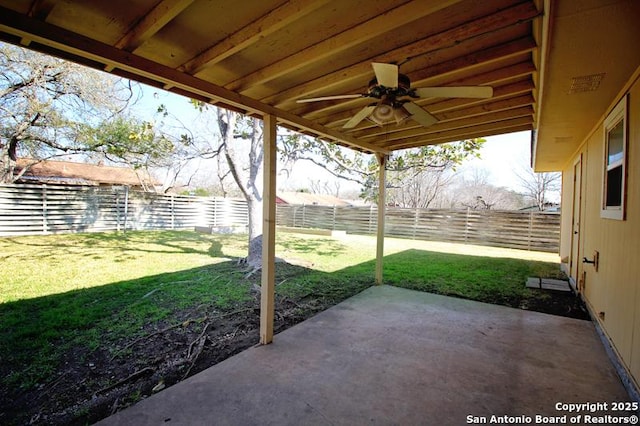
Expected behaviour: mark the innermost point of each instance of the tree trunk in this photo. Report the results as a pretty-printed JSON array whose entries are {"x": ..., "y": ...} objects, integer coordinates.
[
  {"x": 254, "y": 257},
  {"x": 248, "y": 179}
]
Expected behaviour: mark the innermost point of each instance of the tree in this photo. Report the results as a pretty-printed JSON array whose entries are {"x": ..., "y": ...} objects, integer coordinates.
[
  {"x": 127, "y": 140},
  {"x": 50, "y": 107},
  {"x": 316, "y": 186},
  {"x": 239, "y": 150},
  {"x": 538, "y": 187},
  {"x": 476, "y": 193},
  {"x": 404, "y": 168},
  {"x": 246, "y": 174},
  {"x": 243, "y": 162},
  {"x": 421, "y": 190}
]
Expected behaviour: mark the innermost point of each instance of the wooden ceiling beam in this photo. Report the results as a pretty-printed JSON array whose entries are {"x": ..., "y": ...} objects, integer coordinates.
[
  {"x": 273, "y": 21},
  {"x": 417, "y": 130},
  {"x": 462, "y": 136},
  {"x": 152, "y": 22},
  {"x": 325, "y": 117},
  {"x": 505, "y": 91},
  {"x": 509, "y": 103},
  {"x": 60, "y": 39},
  {"x": 40, "y": 9},
  {"x": 374, "y": 131},
  {"x": 448, "y": 38},
  {"x": 482, "y": 27},
  {"x": 502, "y": 92},
  {"x": 477, "y": 110},
  {"x": 383, "y": 23},
  {"x": 517, "y": 105},
  {"x": 493, "y": 114},
  {"x": 506, "y": 126},
  {"x": 493, "y": 77},
  {"x": 478, "y": 58}
]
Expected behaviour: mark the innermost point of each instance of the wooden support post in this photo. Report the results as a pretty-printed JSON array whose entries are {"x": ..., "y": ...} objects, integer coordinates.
[
  {"x": 267, "y": 297},
  {"x": 382, "y": 184}
]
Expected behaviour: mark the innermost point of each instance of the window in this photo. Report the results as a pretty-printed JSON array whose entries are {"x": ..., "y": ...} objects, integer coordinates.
[{"x": 615, "y": 163}]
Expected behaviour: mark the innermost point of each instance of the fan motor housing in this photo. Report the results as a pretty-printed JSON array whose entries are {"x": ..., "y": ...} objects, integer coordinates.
[{"x": 376, "y": 90}]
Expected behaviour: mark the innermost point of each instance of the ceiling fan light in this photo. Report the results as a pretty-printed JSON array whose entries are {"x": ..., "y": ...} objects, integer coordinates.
[{"x": 383, "y": 113}]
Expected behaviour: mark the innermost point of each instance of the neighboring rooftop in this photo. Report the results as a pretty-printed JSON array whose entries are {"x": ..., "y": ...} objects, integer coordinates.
[
  {"x": 307, "y": 198},
  {"x": 68, "y": 172}
]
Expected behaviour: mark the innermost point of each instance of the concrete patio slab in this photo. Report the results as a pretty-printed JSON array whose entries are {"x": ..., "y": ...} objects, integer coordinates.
[{"x": 390, "y": 356}]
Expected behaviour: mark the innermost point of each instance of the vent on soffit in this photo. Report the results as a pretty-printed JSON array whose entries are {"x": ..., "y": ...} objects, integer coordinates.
[
  {"x": 585, "y": 83},
  {"x": 563, "y": 139}
]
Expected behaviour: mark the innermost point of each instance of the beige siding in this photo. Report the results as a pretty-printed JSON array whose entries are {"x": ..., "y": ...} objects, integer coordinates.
[{"x": 613, "y": 289}]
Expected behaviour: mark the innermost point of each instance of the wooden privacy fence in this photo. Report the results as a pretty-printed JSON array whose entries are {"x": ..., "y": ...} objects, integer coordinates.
[
  {"x": 38, "y": 209},
  {"x": 41, "y": 209},
  {"x": 511, "y": 229}
]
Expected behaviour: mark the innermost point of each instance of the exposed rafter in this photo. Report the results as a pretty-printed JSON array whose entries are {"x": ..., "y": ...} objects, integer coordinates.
[
  {"x": 271, "y": 22},
  {"x": 151, "y": 23},
  {"x": 361, "y": 33},
  {"x": 40, "y": 9},
  {"x": 469, "y": 60}
]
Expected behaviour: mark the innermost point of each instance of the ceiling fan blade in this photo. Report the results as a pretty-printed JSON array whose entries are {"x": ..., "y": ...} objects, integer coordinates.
[
  {"x": 455, "y": 92},
  {"x": 361, "y": 115},
  {"x": 386, "y": 74},
  {"x": 419, "y": 114},
  {"x": 329, "y": 98}
]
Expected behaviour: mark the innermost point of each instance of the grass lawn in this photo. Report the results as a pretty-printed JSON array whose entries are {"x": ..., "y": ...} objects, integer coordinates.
[{"x": 69, "y": 303}]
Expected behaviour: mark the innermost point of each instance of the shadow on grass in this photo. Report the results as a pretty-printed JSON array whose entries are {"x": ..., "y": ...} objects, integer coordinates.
[
  {"x": 61, "y": 350},
  {"x": 492, "y": 280},
  {"x": 327, "y": 247},
  {"x": 120, "y": 244}
]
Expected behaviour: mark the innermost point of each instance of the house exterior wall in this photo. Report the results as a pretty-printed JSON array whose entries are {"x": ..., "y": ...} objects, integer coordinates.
[{"x": 611, "y": 292}]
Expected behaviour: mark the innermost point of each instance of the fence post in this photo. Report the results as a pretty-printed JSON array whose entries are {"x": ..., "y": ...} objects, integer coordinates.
[
  {"x": 333, "y": 224},
  {"x": 530, "y": 231},
  {"x": 466, "y": 226},
  {"x": 216, "y": 207},
  {"x": 371, "y": 219},
  {"x": 304, "y": 218},
  {"x": 173, "y": 214},
  {"x": 415, "y": 222},
  {"x": 45, "y": 225}
]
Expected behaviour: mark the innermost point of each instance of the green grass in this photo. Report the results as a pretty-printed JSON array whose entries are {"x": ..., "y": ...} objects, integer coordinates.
[
  {"x": 495, "y": 280},
  {"x": 38, "y": 266},
  {"x": 91, "y": 291}
]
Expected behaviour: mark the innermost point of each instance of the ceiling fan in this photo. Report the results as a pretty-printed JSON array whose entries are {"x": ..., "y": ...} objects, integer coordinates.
[{"x": 394, "y": 98}]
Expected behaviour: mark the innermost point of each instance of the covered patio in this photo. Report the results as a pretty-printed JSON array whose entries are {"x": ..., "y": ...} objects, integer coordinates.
[
  {"x": 386, "y": 356},
  {"x": 396, "y": 356}
]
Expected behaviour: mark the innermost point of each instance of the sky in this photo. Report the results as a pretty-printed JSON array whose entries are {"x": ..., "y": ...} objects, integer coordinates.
[{"x": 501, "y": 157}]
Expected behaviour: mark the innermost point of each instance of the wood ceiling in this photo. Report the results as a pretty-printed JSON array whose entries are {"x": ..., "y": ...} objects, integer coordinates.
[{"x": 261, "y": 56}]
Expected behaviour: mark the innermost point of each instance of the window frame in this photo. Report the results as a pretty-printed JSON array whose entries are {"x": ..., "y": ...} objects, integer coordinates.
[{"x": 618, "y": 114}]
